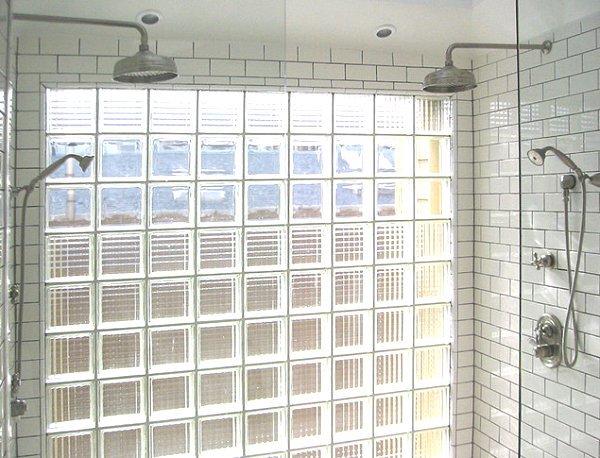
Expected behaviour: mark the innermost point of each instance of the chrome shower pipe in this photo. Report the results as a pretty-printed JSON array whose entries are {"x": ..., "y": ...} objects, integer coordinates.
[{"x": 546, "y": 47}]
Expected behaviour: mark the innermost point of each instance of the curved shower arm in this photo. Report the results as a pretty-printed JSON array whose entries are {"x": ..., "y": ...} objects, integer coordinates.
[
  {"x": 75, "y": 20},
  {"x": 546, "y": 47}
]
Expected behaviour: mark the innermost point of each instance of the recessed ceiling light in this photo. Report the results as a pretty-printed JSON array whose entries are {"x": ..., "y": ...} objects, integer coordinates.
[
  {"x": 149, "y": 17},
  {"x": 385, "y": 31}
]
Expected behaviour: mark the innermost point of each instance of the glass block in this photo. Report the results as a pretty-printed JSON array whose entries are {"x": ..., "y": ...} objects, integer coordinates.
[
  {"x": 68, "y": 256},
  {"x": 221, "y": 434},
  {"x": 352, "y": 288},
  {"x": 265, "y": 248},
  {"x": 432, "y": 366},
  {"x": 121, "y": 206},
  {"x": 122, "y": 158},
  {"x": 310, "y": 425},
  {"x": 170, "y": 349},
  {"x": 432, "y": 324},
  {"x": 310, "y": 291},
  {"x": 265, "y": 386},
  {"x": 265, "y": 430},
  {"x": 121, "y": 353},
  {"x": 58, "y": 147},
  {"x": 393, "y": 371},
  {"x": 432, "y": 239},
  {"x": 170, "y": 252},
  {"x": 310, "y": 113},
  {"x": 220, "y": 203},
  {"x": 309, "y": 246},
  {"x": 120, "y": 304},
  {"x": 171, "y": 396},
  {"x": 218, "y": 250},
  {"x": 172, "y": 111},
  {"x": 431, "y": 408},
  {"x": 394, "y": 285},
  {"x": 123, "y": 399},
  {"x": 170, "y": 300},
  {"x": 432, "y": 156},
  {"x": 172, "y": 439},
  {"x": 432, "y": 282},
  {"x": 393, "y": 242},
  {"x": 172, "y": 156},
  {"x": 71, "y": 110},
  {"x": 351, "y": 419},
  {"x": 352, "y": 376},
  {"x": 220, "y": 391},
  {"x": 264, "y": 294},
  {"x": 218, "y": 296},
  {"x": 352, "y": 332},
  {"x": 353, "y": 155},
  {"x": 219, "y": 344},
  {"x": 393, "y": 114},
  {"x": 69, "y": 356},
  {"x": 431, "y": 444},
  {"x": 353, "y": 200},
  {"x": 352, "y": 244},
  {"x": 433, "y": 115},
  {"x": 68, "y": 209},
  {"x": 265, "y": 340},
  {"x": 266, "y": 156},
  {"x": 320, "y": 452},
  {"x": 170, "y": 205},
  {"x": 77, "y": 444},
  {"x": 309, "y": 336},
  {"x": 399, "y": 446},
  {"x": 393, "y": 413},
  {"x": 394, "y": 199},
  {"x": 122, "y": 110},
  {"x": 308, "y": 201},
  {"x": 70, "y": 403},
  {"x": 353, "y": 450},
  {"x": 394, "y": 328},
  {"x": 393, "y": 155},
  {"x": 121, "y": 254},
  {"x": 220, "y": 157},
  {"x": 432, "y": 198},
  {"x": 265, "y": 203},
  {"x": 310, "y": 156},
  {"x": 69, "y": 305},
  {"x": 123, "y": 443},
  {"x": 266, "y": 112},
  {"x": 353, "y": 113},
  {"x": 220, "y": 111}
]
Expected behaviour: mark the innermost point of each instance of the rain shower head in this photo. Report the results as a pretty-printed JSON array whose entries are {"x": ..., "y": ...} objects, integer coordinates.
[
  {"x": 143, "y": 67},
  {"x": 538, "y": 156}
]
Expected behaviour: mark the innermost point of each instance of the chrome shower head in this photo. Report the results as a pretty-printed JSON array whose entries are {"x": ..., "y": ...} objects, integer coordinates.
[
  {"x": 448, "y": 80},
  {"x": 538, "y": 155}
]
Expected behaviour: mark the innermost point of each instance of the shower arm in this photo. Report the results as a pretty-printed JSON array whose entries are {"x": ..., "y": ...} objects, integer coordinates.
[
  {"x": 74, "y": 20},
  {"x": 546, "y": 47}
]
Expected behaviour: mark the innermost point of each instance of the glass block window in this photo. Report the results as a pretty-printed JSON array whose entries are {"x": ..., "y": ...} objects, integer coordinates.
[{"x": 248, "y": 274}]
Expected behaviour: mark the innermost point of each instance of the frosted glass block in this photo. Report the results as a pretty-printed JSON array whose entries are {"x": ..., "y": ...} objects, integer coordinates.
[
  {"x": 393, "y": 414},
  {"x": 309, "y": 246},
  {"x": 432, "y": 198},
  {"x": 220, "y": 203},
  {"x": 172, "y": 156},
  {"x": 170, "y": 349},
  {"x": 353, "y": 244},
  {"x": 394, "y": 446},
  {"x": 218, "y": 296},
  {"x": 220, "y": 391},
  {"x": 121, "y": 254},
  {"x": 71, "y": 403},
  {"x": 393, "y": 114},
  {"x": 172, "y": 111},
  {"x": 220, "y": 157},
  {"x": 71, "y": 111},
  {"x": 219, "y": 249},
  {"x": 353, "y": 450},
  {"x": 432, "y": 324},
  {"x": 352, "y": 288},
  {"x": 310, "y": 201},
  {"x": 310, "y": 425},
  {"x": 310, "y": 156},
  {"x": 431, "y": 444},
  {"x": 310, "y": 113},
  {"x": 171, "y": 252},
  {"x": 266, "y": 156},
  {"x": 121, "y": 206},
  {"x": 393, "y": 156},
  {"x": 221, "y": 434},
  {"x": 352, "y": 332},
  {"x": 432, "y": 366},
  {"x": 80, "y": 445},
  {"x": 120, "y": 303},
  {"x": 309, "y": 336},
  {"x": 353, "y": 113},
  {"x": 352, "y": 376},
  {"x": 173, "y": 439},
  {"x": 219, "y": 344},
  {"x": 69, "y": 356},
  {"x": 123, "y": 443},
  {"x": 351, "y": 419},
  {"x": 322, "y": 452},
  {"x": 265, "y": 430},
  {"x": 432, "y": 282},
  {"x": 122, "y": 158},
  {"x": 265, "y": 202},
  {"x": 393, "y": 242},
  {"x": 170, "y": 300},
  {"x": 68, "y": 256},
  {"x": 394, "y": 285},
  {"x": 432, "y": 156},
  {"x": 353, "y": 200},
  {"x": 123, "y": 399},
  {"x": 69, "y": 305},
  {"x": 171, "y": 396},
  {"x": 431, "y": 408},
  {"x": 59, "y": 146},
  {"x": 69, "y": 208},
  {"x": 353, "y": 156},
  {"x": 265, "y": 248},
  {"x": 393, "y": 371},
  {"x": 121, "y": 353},
  {"x": 266, "y": 112},
  {"x": 433, "y": 115},
  {"x": 170, "y": 205},
  {"x": 432, "y": 239},
  {"x": 264, "y": 294},
  {"x": 394, "y": 199},
  {"x": 265, "y": 340},
  {"x": 122, "y": 110},
  {"x": 265, "y": 386},
  {"x": 394, "y": 328},
  {"x": 310, "y": 381},
  {"x": 220, "y": 111}
]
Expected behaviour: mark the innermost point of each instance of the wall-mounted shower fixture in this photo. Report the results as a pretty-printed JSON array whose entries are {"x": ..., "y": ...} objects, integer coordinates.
[
  {"x": 19, "y": 406},
  {"x": 143, "y": 67},
  {"x": 546, "y": 340},
  {"x": 452, "y": 79},
  {"x": 546, "y": 260}
]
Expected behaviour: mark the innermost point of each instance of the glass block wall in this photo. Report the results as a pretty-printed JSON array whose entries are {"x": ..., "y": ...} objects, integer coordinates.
[{"x": 248, "y": 274}]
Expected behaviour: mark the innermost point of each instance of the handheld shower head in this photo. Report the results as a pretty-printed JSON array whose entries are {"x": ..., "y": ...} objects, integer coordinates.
[
  {"x": 84, "y": 163},
  {"x": 538, "y": 155}
]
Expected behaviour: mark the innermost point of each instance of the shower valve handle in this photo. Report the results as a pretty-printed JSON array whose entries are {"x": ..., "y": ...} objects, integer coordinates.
[{"x": 546, "y": 260}]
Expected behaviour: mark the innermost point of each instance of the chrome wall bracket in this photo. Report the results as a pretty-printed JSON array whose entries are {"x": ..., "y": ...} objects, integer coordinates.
[{"x": 546, "y": 340}]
